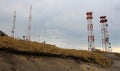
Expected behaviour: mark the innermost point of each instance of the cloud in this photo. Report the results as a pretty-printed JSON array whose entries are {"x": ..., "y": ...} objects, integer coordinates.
[{"x": 61, "y": 22}]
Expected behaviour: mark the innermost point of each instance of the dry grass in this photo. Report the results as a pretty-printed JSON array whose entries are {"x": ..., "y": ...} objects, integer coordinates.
[
  {"x": 38, "y": 48},
  {"x": 117, "y": 54}
]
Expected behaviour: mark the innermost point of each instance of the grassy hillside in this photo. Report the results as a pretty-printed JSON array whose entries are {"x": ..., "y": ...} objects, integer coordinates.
[{"x": 52, "y": 50}]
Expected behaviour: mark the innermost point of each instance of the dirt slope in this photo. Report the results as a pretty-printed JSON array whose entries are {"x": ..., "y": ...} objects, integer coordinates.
[
  {"x": 19, "y": 62},
  {"x": 116, "y": 62}
]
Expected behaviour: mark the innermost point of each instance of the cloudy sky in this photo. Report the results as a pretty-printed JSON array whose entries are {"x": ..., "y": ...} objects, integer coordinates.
[{"x": 61, "y": 22}]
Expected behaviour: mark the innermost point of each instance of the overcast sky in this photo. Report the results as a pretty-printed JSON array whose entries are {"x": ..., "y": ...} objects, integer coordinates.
[{"x": 61, "y": 22}]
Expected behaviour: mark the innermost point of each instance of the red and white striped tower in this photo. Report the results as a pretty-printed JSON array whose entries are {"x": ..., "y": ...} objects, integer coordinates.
[
  {"x": 105, "y": 35},
  {"x": 91, "y": 45},
  {"x": 29, "y": 25}
]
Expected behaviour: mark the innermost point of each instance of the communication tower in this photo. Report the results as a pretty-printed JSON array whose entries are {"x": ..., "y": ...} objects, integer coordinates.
[
  {"x": 29, "y": 25},
  {"x": 91, "y": 40},
  {"x": 13, "y": 26},
  {"x": 105, "y": 35}
]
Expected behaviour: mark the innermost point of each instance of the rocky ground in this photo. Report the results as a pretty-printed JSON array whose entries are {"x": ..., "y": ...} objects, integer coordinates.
[
  {"x": 19, "y": 62},
  {"x": 10, "y": 61},
  {"x": 116, "y": 63}
]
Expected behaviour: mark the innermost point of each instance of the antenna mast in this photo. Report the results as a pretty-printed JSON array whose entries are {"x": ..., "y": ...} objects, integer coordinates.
[
  {"x": 105, "y": 35},
  {"x": 91, "y": 45},
  {"x": 13, "y": 26},
  {"x": 29, "y": 25}
]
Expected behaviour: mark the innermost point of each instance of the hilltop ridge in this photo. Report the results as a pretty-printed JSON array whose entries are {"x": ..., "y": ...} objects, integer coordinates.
[
  {"x": 35, "y": 48},
  {"x": 18, "y": 54}
]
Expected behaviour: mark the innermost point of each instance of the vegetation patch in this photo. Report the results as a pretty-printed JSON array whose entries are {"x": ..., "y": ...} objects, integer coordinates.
[
  {"x": 117, "y": 54},
  {"x": 36, "y": 48}
]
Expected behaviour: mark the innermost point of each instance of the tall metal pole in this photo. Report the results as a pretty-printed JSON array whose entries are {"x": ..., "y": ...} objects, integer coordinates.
[
  {"x": 13, "y": 26},
  {"x": 91, "y": 40},
  {"x": 29, "y": 25}
]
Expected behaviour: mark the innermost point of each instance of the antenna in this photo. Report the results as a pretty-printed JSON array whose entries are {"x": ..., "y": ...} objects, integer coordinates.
[
  {"x": 29, "y": 25},
  {"x": 13, "y": 26},
  {"x": 105, "y": 35},
  {"x": 91, "y": 45}
]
